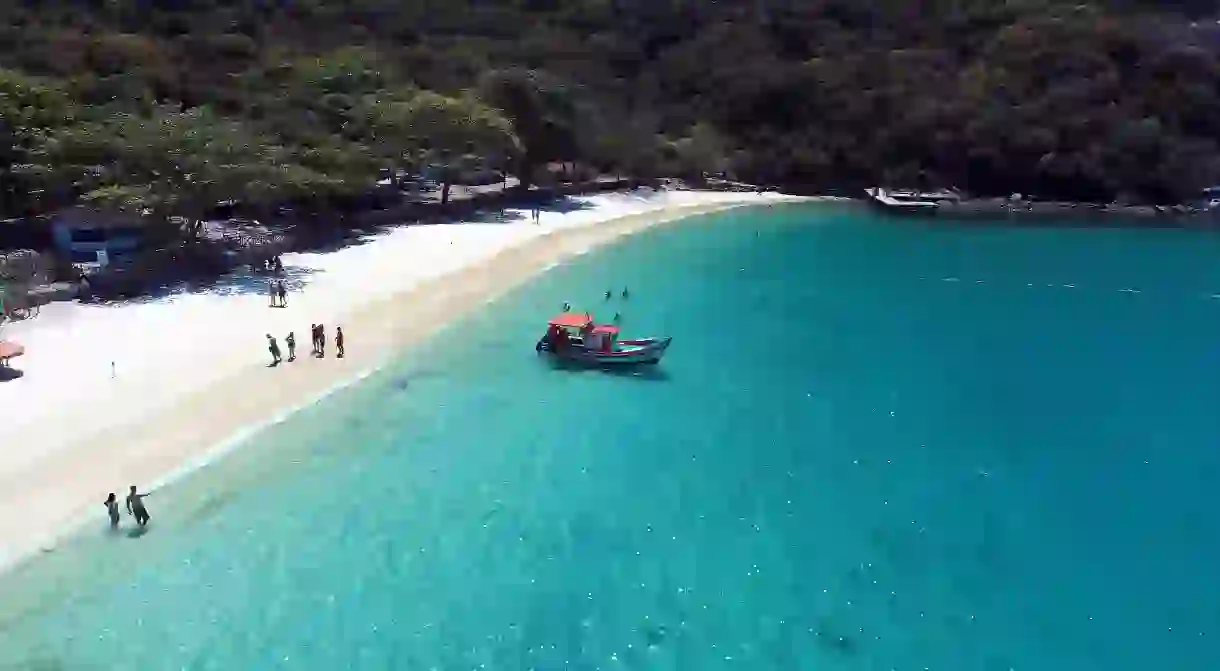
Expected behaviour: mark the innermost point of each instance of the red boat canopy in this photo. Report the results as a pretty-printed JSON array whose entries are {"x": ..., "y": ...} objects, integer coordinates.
[
  {"x": 572, "y": 320},
  {"x": 10, "y": 349}
]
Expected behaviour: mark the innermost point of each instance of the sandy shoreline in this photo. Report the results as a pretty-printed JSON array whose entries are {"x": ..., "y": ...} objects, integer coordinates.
[{"x": 187, "y": 390}]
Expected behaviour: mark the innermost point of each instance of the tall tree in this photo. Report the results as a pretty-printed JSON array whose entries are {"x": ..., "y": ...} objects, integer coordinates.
[
  {"x": 175, "y": 166},
  {"x": 434, "y": 129},
  {"x": 30, "y": 110},
  {"x": 542, "y": 112}
]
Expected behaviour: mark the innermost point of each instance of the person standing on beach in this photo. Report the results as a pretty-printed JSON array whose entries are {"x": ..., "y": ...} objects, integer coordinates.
[
  {"x": 274, "y": 348},
  {"x": 321, "y": 341},
  {"x": 112, "y": 509},
  {"x": 291, "y": 341},
  {"x": 313, "y": 339},
  {"x": 135, "y": 506},
  {"x": 339, "y": 341},
  {"x": 282, "y": 292},
  {"x": 271, "y": 291}
]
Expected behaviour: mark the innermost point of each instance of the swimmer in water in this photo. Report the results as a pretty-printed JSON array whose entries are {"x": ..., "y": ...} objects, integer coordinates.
[
  {"x": 135, "y": 506},
  {"x": 626, "y": 294},
  {"x": 567, "y": 307},
  {"x": 608, "y": 295},
  {"x": 112, "y": 509}
]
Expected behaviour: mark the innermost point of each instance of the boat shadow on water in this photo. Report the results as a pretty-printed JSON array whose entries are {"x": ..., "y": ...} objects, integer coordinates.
[{"x": 643, "y": 372}]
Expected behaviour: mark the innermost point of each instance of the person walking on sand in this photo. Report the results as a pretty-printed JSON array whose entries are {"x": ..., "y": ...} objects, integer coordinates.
[
  {"x": 112, "y": 509},
  {"x": 339, "y": 341},
  {"x": 135, "y": 506},
  {"x": 274, "y": 348},
  {"x": 282, "y": 293},
  {"x": 291, "y": 341}
]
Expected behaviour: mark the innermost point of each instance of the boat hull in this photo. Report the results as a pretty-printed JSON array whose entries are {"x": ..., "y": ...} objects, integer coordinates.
[
  {"x": 880, "y": 200},
  {"x": 628, "y": 353}
]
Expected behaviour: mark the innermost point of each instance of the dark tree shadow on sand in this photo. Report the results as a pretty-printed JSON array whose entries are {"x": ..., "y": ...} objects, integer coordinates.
[
  {"x": 320, "y": 236},
  {"x": 330, "y": 238},
  {"x": 246, "y": 281},
  {"x": 243, "y": 281},
  {"x": 515, "y": 212}
]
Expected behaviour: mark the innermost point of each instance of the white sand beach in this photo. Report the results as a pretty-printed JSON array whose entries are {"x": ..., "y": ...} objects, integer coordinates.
[{"x": 190, "y": 369}]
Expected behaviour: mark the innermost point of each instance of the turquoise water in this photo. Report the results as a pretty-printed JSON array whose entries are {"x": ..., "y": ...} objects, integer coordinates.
[{"x": 874, "y": 445}]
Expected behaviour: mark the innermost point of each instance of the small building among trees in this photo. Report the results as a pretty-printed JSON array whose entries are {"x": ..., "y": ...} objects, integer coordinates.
[{"x": 87, "y": 235}]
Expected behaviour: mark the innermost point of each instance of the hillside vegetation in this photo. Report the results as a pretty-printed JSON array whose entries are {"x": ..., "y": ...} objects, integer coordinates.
[{"x": 171, "y": 106}]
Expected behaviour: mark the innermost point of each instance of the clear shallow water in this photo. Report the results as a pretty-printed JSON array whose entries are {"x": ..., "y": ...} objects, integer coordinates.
[{"x": 874, "y": 445}]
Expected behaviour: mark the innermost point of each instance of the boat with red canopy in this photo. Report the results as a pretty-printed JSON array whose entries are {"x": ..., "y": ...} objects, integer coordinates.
[{"x": 573, "y": 336}]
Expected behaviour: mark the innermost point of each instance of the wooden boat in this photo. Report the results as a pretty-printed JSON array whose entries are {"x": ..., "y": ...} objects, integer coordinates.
[{"x": 575, "y": 337}]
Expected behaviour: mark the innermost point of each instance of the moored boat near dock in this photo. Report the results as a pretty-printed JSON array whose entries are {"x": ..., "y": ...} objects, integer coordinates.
[
  {"x": 911, "y": 202},
  {"x": 576, "y": 337}
]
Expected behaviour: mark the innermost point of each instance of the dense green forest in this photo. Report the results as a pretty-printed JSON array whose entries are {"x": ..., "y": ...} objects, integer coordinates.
[{"x": 172, "y": 105}]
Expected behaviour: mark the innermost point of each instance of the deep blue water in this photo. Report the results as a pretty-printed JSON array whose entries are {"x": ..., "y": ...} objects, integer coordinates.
[{"x": 874, "y": 445}]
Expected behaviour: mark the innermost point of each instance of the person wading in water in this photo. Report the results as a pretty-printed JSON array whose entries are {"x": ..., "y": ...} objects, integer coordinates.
[
  {"x": 135, "y": 506},
  {"x": 112, "y": 509}
]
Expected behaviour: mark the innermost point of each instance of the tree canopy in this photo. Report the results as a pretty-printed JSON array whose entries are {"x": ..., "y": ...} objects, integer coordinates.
[{"x": 1060, "y": 98}]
